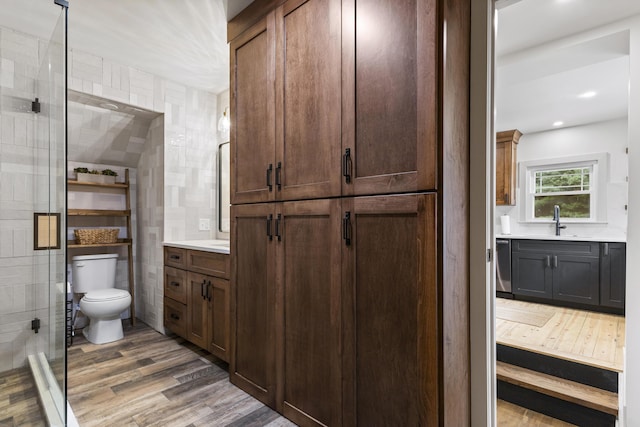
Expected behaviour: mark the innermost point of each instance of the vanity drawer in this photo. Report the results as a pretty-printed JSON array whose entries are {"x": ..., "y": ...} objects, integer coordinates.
[
  {"x": 175, "y": 257},
  {"x": 175, "y": 317},
  {"x": 210, "y": 263},
  {"x": 175, "y": 284}
]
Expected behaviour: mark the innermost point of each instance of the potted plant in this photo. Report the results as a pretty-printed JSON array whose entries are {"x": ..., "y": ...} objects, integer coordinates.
[{"x": 107, "y": 176}]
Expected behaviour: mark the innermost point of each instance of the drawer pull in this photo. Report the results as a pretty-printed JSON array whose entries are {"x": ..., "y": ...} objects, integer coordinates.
[
  {"x": 346, "y": 162},
  {"x": 279, "y": 176},
  {"x": 278, "y": 234},
  {"x": 174, "y": 257},
  {"x": 176, "y": 284},
  {"x": 269, "y": 172},
  {"x": 174, "y": 316}
]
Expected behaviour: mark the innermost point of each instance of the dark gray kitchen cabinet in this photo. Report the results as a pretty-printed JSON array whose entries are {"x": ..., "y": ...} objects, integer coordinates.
[
  {"x": 576, "y": 278},
  {"x": 558, "y": 270},
  {"x": 612, "y": 274},
  {"x": 531, "y": 274}
]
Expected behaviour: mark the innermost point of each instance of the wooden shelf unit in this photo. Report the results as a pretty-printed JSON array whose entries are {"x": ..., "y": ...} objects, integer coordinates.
[{"x": 126, "y": 213}]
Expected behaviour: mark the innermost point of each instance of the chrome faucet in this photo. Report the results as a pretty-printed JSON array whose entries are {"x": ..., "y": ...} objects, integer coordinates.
[{"x": 556, "y": 218}]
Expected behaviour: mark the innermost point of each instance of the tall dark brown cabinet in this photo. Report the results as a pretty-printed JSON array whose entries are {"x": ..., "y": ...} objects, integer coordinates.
[{"x": 349, "y": 275}]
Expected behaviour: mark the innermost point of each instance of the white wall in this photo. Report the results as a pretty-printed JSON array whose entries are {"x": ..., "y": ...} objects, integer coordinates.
[
  {"x": 604, "y": 137},
  {"x": 632, "y": 368}
]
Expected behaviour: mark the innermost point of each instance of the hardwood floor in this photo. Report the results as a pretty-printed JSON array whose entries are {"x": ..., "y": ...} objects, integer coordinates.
[
  {"x": 510, "y": 415},
  {"x": 19, "y": 400},
  {"x": 148, "y": 379},
  {"x": 595, "y": 339}
]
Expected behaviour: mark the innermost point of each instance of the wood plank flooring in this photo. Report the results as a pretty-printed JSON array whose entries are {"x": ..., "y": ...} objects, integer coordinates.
[
  {"x": 148, "y": 379},
  {"x": 19, "y": 405},
  {"x": 595, "y": 339},
  {"x": 510, "y": 415}
]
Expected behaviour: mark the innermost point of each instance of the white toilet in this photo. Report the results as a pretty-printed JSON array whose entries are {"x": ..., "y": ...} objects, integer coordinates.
[{"x": 95, "y": 276}]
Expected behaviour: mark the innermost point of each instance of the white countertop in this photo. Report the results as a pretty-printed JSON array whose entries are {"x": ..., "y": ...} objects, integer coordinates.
[
  {"x": 565, "y": 237},
  {"x": 219, "y": 246}
]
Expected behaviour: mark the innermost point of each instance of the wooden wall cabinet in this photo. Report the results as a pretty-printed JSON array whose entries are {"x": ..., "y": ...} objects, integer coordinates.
[
  {"x": 196, "y": 295},
  {"x": 286, "y": 104},
  {"x": 350, "y": 148},
  {"x": 316, "y": 277},
  {"x": 286, "y": 323},
  {"x": 331, "y": 118},
  {"x": 506, "y": 166}
]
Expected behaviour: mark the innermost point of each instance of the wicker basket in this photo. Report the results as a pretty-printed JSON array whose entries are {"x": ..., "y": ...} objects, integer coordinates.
[{"x": 92, "y": 236}]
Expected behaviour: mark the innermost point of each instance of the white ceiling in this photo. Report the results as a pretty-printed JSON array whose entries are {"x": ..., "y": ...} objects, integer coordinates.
[
  {"x": 541, "y": 64},
  {"x": 181, "y": 40},
  {"x": 548, "y": 52}
]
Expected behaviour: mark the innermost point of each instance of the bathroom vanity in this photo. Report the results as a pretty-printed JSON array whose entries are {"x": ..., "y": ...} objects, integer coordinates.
[{"x": 196, "y": 293}]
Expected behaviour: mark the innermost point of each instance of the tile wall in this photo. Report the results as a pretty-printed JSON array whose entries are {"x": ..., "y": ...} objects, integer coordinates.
[
  {"x": 176, "y": 175},
  {"x": 176, "y": 168},
  {"x": 24, "y": 272}
]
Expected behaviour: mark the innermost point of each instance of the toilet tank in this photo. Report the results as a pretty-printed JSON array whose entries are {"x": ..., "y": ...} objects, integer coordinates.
[{"x": 93, "y": 272}]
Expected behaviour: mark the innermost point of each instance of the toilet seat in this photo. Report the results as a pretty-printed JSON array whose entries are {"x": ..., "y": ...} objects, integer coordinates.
[{"x": 105, "y": 295}]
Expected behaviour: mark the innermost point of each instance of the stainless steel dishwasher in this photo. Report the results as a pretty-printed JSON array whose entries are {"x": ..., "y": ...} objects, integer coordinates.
[{"x": 503, "y": 267}]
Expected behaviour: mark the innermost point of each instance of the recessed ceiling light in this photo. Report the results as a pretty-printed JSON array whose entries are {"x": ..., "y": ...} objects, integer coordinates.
[
  {"x": 558, "y": 123},
  {"x": 588, "y": 94}
]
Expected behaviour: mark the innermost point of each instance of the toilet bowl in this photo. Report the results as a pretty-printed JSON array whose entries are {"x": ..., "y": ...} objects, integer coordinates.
[
  {"x": 94, "y": 275},
  {"x": 103, "y": 308}
]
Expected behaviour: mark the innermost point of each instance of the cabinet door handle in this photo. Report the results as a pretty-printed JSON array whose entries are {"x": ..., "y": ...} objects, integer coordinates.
[
  {"x": 174, "y": 316},
  {"x": 555, "y": 261},
  {"x": 269, "y": 220},
  {"x": 346, "y": 161},
  {"x": 346, "y": 228},
  {"x": 506, "y": 197},
  {"x": 278, "y": 234},
  {"x": 279, "y": 176},
  {"x": 269, "y": 173},
  {"x": 548, "y": 261},
  {"x": 202, "y": 285},
  {"x": 208, "y": 287},
  {"x": 606, "y": 249},
  {"x": 174, "y": 257},
  {"x": 176, "y": 284}
]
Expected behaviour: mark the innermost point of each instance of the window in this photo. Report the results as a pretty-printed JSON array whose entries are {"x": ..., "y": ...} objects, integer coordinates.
[
  {"x": 568, "y": 188},
  {"x": 575, "y": 184}
]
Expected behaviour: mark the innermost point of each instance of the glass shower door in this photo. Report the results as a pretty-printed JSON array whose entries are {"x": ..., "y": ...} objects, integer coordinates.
[{"x": 50, "y": 202}]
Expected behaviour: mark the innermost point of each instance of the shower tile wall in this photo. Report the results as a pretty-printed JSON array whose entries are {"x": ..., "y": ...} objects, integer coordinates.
[
  {"x": 176, "y": 167},
  {"x": 24, "y": 272}
]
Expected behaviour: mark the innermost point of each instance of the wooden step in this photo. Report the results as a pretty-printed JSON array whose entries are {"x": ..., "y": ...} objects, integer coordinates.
[{"x": 570, "y": 391}]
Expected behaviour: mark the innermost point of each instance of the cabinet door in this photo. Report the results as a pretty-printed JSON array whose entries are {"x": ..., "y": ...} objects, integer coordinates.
[
  {"x": 197, "y": 309},
  {"x": 309, "y": 325},
  {"x": 390, "y": 316},
  {"x": 390, "y": 95},
  {"x": 308, "y": 88},
  {"x": 219, "y": 318},
  {"x": 613, "y": 265},
  {"x": 505, "y": 173},
  {"x": 252, "y": 364},
  {"x": 531, "y": 274},
  {"x": 576, "y": 279},
  {"x": 252, "y": 113}
]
